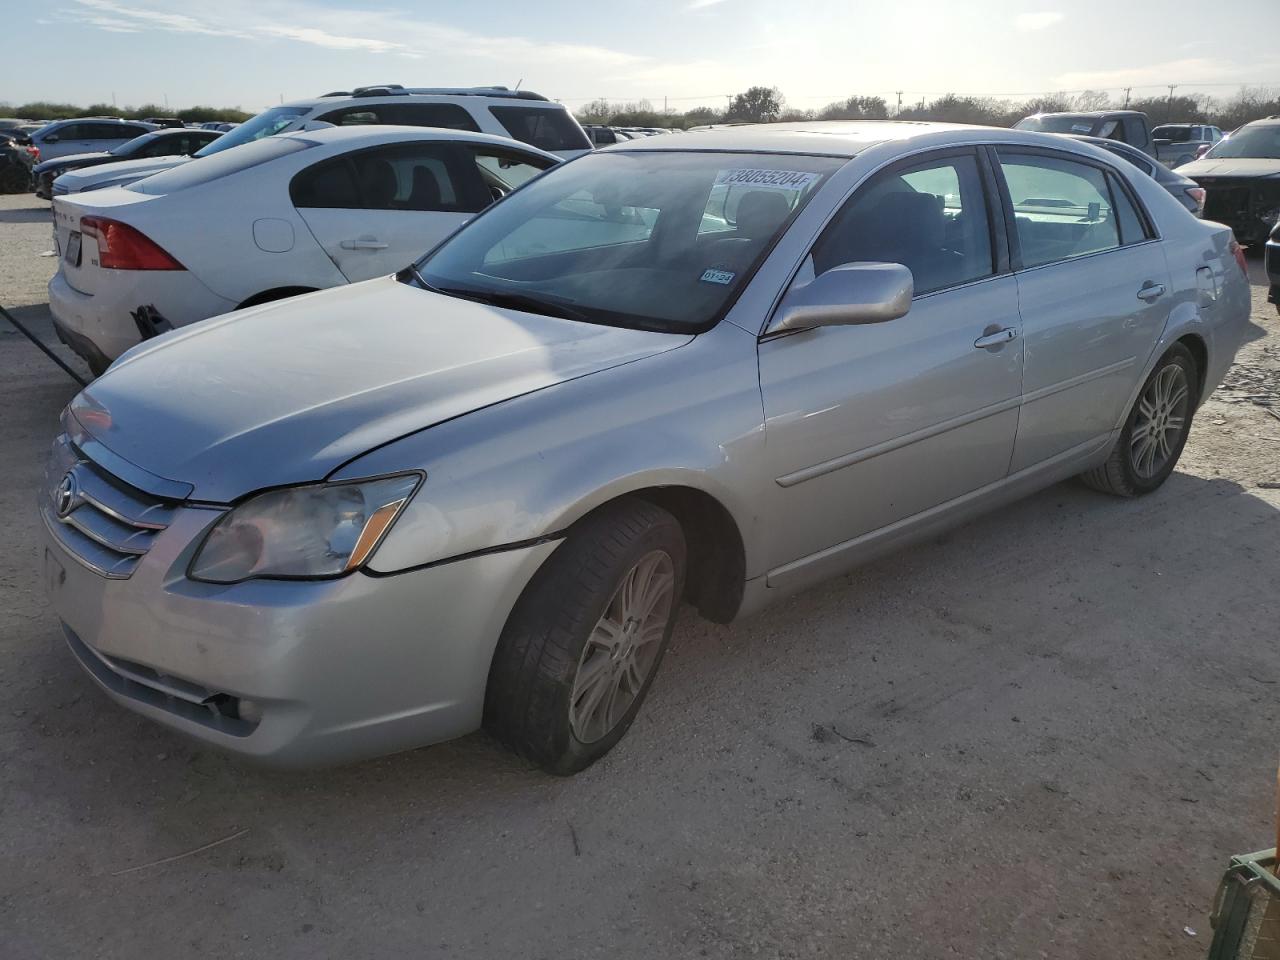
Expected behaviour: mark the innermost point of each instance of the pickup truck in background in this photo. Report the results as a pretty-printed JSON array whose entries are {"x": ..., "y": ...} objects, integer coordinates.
[
  {"x": 1179, "y": 143},
  {"x": 1127, "y": 126}
]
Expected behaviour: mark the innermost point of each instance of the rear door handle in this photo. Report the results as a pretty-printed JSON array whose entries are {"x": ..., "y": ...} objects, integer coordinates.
[
  {"x": 363, "y": 245},
  {"x": 996, "y": 339},
  {"x": 1150, "y": 291}
]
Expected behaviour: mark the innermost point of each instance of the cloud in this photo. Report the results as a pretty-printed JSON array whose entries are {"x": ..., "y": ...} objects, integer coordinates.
[
  {"x": 350, "y": 29},
  {"x": 1028, "y": 22},
  {"x": 702, "y": 4},
  {"x": 334, "y": 42}
]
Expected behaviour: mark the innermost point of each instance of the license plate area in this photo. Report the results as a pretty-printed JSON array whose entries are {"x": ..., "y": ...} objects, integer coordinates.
[{"x": 72, "y": 256}]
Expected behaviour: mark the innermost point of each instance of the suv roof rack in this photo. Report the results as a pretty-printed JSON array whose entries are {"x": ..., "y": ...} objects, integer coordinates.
[{"x": 399, "y": 90}]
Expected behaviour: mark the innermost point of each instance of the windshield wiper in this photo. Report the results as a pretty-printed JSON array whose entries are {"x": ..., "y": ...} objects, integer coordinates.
[{"x": 548, "y": 306}]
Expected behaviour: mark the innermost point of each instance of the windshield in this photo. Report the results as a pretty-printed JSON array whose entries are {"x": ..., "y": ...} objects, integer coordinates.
[
  {"x": 1172, "y": 134},
  {"x": 1059, "y": 124},
  {"x": 1261, "y": 142},
  {"x": 266, "y": 124},
  {"x": 656, "y": 240}
]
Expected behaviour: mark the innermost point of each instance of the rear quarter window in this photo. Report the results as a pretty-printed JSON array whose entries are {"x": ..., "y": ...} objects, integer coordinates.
[
  {"x": 218, "y": 165},
  {"x": 548, "y": 128}
]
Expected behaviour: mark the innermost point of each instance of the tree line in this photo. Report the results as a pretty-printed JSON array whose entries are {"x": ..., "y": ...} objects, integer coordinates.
[
  {"x": 767, "y": 104},
  {"x": 43, "y": 110}
]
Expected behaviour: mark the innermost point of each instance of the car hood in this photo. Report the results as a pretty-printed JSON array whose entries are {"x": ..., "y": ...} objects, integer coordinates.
[
  {"x": 74, "y": 159},
  {"x": 75, "y": 179},
  {"x": 287, "y": 392},
  {"x": 1231, "y": 167}
]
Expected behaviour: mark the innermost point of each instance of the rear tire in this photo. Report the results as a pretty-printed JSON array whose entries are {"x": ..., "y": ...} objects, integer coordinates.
[
  {"x": 585, "y": 639},
  {"x": 1155, "y": 431}
]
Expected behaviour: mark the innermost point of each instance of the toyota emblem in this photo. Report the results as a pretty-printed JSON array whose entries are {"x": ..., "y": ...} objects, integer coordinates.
[{"x": 67, "y": 495}]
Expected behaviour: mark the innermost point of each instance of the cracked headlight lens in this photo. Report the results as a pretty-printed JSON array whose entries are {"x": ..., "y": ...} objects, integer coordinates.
[{"x": 307, "y": 532}]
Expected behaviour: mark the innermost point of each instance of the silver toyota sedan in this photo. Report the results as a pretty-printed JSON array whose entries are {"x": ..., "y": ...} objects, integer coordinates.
[{"x": 713, "y": 368}]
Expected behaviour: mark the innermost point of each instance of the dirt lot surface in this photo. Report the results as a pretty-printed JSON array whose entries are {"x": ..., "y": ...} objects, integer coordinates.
[{"x": 1041, "y": 735}]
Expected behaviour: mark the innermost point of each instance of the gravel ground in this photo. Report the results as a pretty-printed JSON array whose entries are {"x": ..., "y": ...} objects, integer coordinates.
[{"x": 1040, "y": 735}]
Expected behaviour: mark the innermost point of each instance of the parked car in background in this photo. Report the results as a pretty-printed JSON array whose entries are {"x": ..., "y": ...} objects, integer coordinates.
[
  {"x": 602, "y": 136},
  {"x": 1183, "y": 189},
  {"x": 715, "y": 368},
  {"x": 170, "y": 123},
  {"x": 1241, "y": 178},
  {"x": 158, "y": 143},
  {"x": 1179, "y": 143},
  {"x": 15, "y": 168},
  {"x": 64, "y": 137},
  {"x": 1127, "y": 126},
  {"x": 271, "y": 219},
  {"x": 522, "y": 115}
]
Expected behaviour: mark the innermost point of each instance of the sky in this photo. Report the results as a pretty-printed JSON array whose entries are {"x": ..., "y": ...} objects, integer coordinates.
[{"x": 254, "y": 53}]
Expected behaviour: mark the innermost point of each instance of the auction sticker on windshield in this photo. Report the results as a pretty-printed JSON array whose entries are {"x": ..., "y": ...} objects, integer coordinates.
[{"x": 799, "y": 180}]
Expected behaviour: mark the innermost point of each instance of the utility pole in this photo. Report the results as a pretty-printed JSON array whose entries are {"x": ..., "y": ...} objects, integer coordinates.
[
  {"x": 1126, "y": 97},
  {"x": 899, "y": 93},
  {"x": 1169, "y": 111}
]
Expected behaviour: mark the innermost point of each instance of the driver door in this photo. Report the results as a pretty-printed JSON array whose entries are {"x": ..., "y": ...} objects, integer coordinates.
[{"x": 868, "y": 428}]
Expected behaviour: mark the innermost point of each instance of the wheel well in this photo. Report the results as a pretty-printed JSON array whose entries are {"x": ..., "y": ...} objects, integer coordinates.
[
  {"x": 279, "y": 293},
  {"x": 1200, "y": 353},
  {"x": 716, "y": 560}
]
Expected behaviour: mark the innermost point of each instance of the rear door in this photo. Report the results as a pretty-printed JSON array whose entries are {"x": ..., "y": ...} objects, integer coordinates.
[
  {"x": 376, "y": 210},
  {"x": 1093, "y": 292}
]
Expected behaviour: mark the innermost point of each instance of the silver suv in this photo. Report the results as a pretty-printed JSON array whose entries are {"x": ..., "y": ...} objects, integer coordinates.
[{"x": 519, "y": 114}]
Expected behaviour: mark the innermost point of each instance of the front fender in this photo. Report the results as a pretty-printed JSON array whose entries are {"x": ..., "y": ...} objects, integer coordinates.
[{"x": 528, "y": 468}]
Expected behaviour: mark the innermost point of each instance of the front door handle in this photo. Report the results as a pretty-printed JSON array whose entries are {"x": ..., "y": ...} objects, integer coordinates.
[
  {"x": 996, "y": 339},
  {"x": 1151, "y": 291},
  {"x": 363, "y": 245}
]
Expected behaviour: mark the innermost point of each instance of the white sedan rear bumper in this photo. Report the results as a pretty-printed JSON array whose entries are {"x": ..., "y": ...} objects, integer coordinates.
[{"x": 102, "y": 323}]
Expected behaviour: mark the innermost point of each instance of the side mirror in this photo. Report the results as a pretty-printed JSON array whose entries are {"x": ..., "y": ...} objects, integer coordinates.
[{"x": 852, "y": 293}]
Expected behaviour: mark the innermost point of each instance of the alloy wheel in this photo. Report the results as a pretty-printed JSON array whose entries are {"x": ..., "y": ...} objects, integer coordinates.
[
  {"x": 1159, "y": 421},
  {"x": 622, "y": 648}
]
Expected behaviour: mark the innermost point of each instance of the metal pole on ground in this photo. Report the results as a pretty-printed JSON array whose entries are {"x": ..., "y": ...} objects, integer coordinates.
[{"x": 39, "y": 343}]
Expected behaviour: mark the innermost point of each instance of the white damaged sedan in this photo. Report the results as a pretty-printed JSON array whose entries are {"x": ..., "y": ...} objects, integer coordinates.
[
  {"x": 714, "y": 368},
  {"x": 266, "y": 220}
]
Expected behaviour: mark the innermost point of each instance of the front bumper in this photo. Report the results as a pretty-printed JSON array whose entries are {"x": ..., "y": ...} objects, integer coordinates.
[{"x": 291, "y": 673}]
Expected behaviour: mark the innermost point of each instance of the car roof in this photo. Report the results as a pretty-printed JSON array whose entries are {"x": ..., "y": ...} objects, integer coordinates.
[
  {"x": 373, "y": 134},
  {"x": 1091, "y": 113},
  {"x": 840, "y": 138},
  {"x": 394, "y": 92}
]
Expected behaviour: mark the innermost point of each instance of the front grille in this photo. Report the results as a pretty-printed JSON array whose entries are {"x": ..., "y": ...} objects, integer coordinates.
[
  {"x": 105, "y": 524},
  {"x": 1227, "y": 203}
]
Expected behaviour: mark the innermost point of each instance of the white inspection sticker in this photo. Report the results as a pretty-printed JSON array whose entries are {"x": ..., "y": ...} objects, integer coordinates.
[
  {"x": 713, "y": 275},
  {"x": 797, "y": 180}
]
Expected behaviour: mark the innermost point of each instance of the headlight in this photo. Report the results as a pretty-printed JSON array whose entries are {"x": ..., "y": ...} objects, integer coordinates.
[{"x": 320, "y": 530}]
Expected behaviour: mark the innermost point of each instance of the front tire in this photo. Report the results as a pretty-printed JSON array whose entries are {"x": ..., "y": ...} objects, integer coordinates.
[
  {"x": 1155, "y": 431},
  {"x": 584, "y": 641}
]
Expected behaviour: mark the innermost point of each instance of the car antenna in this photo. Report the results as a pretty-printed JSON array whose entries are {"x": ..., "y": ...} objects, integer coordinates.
[{"x": 518, "y": 82}]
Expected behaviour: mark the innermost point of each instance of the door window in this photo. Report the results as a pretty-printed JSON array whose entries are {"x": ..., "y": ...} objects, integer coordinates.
[
  {"x": 1134, "y": 132},
  {"x": 448, "y": 115},
  {"x": 930, "y": 217},
  {"x": 1132, "y": 227},
  {"x": 502, "y": 171},
  {"x": 413, "y": 176},
  {"x": 1062, "y": 208},
  {"x": 547, "y": 128}
]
